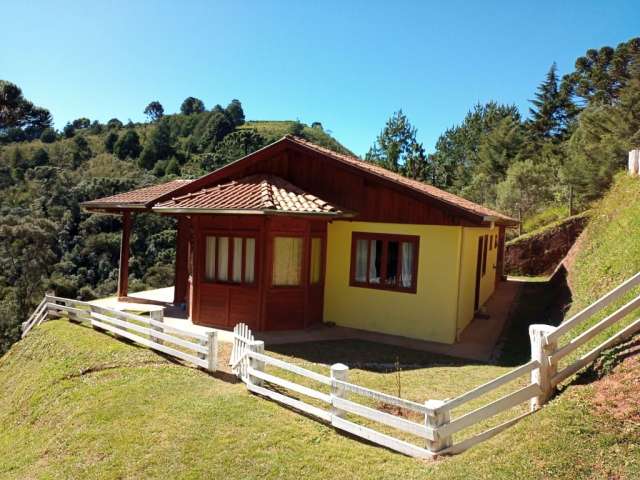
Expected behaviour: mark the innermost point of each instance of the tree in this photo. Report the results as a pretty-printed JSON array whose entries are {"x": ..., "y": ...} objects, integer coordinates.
[
  {"x": 154, "y": 111},
  {"x": 16, "y": 112},
  {"x": 110, "y": 141},
  {"x": 234, "y": 109},
  {"x": 218, "y": 126},
  {"x": 128, "y": 145},
  {"x": 82, "y": 122},
  {"x": 114, "y": 123},
  {"x": 96, "y": 127},
  {"x": 68, "y": 131},
  {"x": 48, "y": 135},
  {"x": 173, "y": 168},
  {"x": 602, "y": 139},
  {"x": 456, "y": 156},
  {"x": 396, "y": 146},
  {"x": 552, "y": 111},
  {"x": 234, "y": 146},
  {"x": 26, "y": 256},
  {"x": 191, "y": 105},
  {"x": 39, "y": 157},
  {"x": 600, "y": 75},
  {"x": 526, "y": 188},
  {"x": 317, "y": 125},
  {"x": 158, "y": 145}
]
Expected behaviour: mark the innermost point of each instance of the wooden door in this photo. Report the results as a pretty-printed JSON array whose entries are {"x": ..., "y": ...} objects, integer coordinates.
[{"x": 476, "y": 302}]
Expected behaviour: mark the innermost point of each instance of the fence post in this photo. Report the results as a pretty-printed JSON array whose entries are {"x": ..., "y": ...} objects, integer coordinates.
[
  {"x": 340, "y": 372},
  {"x": 433, "y": 419},
  {"x": 212, "y": 344},
  {"x": 541, "y": 348},
  {"x": 258, "y": 347},
  {"x": 158, "y": 316}
]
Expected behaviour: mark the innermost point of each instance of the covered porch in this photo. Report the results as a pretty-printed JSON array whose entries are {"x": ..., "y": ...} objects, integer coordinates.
[{"x": 251, "y": 251}]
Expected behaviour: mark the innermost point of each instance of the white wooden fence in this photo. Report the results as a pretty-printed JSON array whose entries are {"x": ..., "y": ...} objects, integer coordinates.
[
  {"x": 344, "y": 404},
  {"x": 196, "y": 348},
  {"x": 436, "y": 432}
]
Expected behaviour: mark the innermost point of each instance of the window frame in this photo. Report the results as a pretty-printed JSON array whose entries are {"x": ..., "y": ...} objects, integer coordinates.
[
  {"x": 231, "y": 252},
  {"x": 385, "y": 238}
]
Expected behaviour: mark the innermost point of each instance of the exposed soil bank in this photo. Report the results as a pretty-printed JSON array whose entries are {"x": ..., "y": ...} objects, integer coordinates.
[{"x": 540, "y": 252}]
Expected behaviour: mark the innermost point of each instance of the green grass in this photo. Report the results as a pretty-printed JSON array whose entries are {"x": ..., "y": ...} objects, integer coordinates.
[
  {"x": 549, "y": 215},
  {"x": 79, "y": 404}
]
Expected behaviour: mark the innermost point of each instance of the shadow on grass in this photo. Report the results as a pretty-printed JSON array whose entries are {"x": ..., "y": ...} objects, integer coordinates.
[
  {"x": 537, "y": 302},
  {"x": 366, "y": 355}
]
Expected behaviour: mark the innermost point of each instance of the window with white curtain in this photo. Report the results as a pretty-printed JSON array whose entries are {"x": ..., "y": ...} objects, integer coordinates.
[
  {"x": 230, "y": 259},
  {"x": 384, "y": 261}
]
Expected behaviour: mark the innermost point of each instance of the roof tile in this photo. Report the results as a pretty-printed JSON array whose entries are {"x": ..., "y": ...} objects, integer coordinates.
[{"x": 261, "y": 192}]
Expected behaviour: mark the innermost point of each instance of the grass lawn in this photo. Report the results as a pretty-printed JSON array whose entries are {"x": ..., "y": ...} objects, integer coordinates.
[{"x": 79, "y": 404}]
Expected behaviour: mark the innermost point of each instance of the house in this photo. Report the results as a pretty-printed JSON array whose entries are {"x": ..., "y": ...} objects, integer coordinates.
[{"x": 295, "y": 234}]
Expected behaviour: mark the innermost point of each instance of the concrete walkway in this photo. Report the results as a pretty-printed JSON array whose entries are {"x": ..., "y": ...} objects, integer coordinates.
[{"x": 477, "y": 341}]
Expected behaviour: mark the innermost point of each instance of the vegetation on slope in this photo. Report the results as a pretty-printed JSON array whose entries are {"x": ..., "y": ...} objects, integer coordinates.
[{"x": 48, "y": 243}]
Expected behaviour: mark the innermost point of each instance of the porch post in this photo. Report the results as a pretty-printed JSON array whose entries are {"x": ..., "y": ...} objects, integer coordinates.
[
  {"x": 181, "y": 268},
  {"x": 123, "y": 272}
]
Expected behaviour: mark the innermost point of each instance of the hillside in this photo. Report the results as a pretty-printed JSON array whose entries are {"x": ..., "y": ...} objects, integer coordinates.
[{"x": 77, "y": 403}]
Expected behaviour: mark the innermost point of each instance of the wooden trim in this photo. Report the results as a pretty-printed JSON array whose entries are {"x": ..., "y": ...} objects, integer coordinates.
[{"x": 385, "y": 238}]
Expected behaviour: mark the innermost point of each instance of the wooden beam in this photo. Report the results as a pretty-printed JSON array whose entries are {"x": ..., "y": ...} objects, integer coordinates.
[
  {"x": 181, "y": 268},
  {"x": 123, "y": 273}
]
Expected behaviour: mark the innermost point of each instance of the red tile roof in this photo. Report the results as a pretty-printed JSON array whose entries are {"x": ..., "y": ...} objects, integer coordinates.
[
  {"x": 260, "y": 193},
  {"x": 136, "y": 198},
  {"x": 415, "y": 185}
]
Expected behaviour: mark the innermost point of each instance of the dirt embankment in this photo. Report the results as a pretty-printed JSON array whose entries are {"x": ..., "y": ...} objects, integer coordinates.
[{"x": 540, "y": 252}]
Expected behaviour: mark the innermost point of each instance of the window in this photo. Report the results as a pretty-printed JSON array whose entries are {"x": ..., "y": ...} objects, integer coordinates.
[
  {"x": 287, "y": 261},
  {"x": 315, "y": 267},
  {"x": 384, "y": 261},
  {"x": 230, "y": 259}
]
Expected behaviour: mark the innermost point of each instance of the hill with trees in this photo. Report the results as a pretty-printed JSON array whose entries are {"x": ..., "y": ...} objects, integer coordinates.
[{"x": 48, "y": 243}]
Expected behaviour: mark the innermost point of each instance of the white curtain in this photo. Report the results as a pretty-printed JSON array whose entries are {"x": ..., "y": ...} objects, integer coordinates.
[
  {"x": 210, "y": 259},
  {"x": 374, "y": 274},
  {"x": 407, "y": 264},
  {"x": 223, "y": 259},
  {"x": 287, "y": 261},
  {"x": 249, "y": 260},
  {"x": 236, "y": 272},
  {"x": 361, "y": 261}
]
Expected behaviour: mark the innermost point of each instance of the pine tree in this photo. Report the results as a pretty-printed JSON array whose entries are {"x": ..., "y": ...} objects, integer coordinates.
[
  {"x": 551, "y": 111},
  {"x": 397, "y": 149}
]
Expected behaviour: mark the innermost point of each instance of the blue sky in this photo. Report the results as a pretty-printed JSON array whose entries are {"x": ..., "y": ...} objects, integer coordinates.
[{"x": 349, "y": 65}]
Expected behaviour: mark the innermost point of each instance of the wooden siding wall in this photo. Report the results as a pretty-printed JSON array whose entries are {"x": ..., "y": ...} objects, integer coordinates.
[
  {"x": 261, "y": 306},
  {"x": 373, "y": 200}
]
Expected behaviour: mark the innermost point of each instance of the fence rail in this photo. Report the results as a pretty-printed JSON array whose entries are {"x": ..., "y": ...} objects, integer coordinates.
[
  {"x": 196, "y": 348},
  {"x": 434, "y": 433}
]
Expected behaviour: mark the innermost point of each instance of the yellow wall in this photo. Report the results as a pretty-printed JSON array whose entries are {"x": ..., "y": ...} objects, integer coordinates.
[
  {"x": 468, "y": 262},
  {"x": 429, "y": 314},
  {"x": 444, "y": 302}
]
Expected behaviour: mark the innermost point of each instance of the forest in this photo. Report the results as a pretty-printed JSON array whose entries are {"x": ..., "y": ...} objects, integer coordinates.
[{"x": 540, "y": 165}]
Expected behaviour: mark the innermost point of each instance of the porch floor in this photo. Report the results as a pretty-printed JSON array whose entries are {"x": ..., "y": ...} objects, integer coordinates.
[{"x": 477, "y": 341}]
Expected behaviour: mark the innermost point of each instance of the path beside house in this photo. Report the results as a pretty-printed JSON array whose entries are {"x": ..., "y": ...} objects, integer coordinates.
[{"x": 477, "y": 341}]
